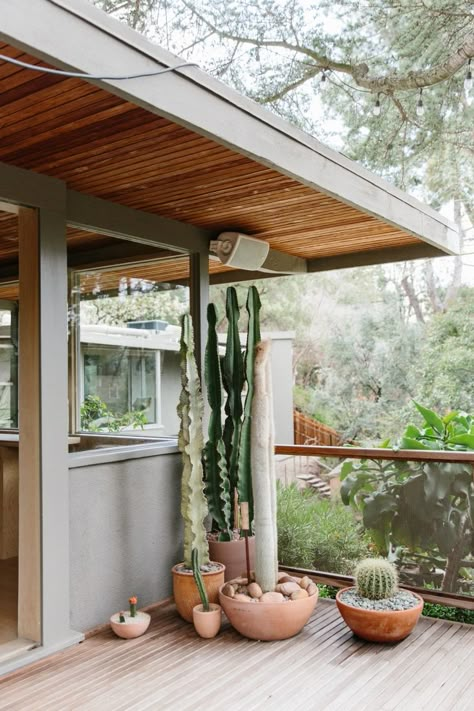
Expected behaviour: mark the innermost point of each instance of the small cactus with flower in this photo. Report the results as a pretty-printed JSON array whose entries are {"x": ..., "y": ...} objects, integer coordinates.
[
  {"x": 132, "y": 601},
  {"x": 132, "y": 623}
]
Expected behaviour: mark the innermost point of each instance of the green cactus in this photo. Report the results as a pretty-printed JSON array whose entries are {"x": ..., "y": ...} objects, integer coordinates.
[
  {"x": 191, "y": 444},
  {"x": 227, "y": 453},
  {"x": 199, "y": 581},
  {"x": 217, "y": 488},
  {"x": 244, "y": 482},
  {"x": 376, "y": 578},
  {"x": 233, "y": 381}
]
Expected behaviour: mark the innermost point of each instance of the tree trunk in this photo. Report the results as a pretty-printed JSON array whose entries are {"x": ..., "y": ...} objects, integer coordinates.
[
  {"x": 453, "y": 562},
  {"x": 407, "y": 285}
]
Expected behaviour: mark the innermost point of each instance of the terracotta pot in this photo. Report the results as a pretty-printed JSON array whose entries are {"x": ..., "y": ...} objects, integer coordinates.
[
  {"x": 232, "y": 555},
  {"x": 379, "y": 625},
  {"x": 186, "y": 594},
  {"x": 132, "y": 627},
  {"x": 268, "y": 621},
  {"x": 207, "y": 624}
]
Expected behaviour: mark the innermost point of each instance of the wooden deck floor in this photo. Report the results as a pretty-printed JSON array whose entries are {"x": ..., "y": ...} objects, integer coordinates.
[{"x": 324, "y": 668}]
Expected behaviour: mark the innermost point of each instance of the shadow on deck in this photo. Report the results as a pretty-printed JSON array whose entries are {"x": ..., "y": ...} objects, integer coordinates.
[{"x": 323, "y": 668}]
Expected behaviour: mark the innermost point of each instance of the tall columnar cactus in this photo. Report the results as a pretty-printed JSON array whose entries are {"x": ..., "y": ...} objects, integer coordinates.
[
  {"x": 376, "y": 578},
  {"x": 217, "y": 487},
  {"x": 191, "y": 443},
  {"x": 233, "y": 382},
  {"x": 227, "y": 453},
  {"x": 263, "y": 472},
  {"x": 244, "y": 483}
]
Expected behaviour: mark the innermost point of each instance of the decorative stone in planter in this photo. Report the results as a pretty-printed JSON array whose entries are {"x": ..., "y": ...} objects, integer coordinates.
[
  {"x": 389, "y": 620},
  {"x": 185, "y": 591},
  {"x": 272, "y": 615},
  {"x": 207, "y": 624},
  {"x": 129, "y": 625},
  {"x": 232, "y": 555}
]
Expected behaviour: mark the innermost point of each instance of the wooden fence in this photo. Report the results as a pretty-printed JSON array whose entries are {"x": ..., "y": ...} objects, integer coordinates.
[{"x": 309, "y": 431}]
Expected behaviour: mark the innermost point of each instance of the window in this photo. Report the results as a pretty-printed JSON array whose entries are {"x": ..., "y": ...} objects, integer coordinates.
[
  {"x": 8, "y": 364},
  {"x": 126, "y": 326}
]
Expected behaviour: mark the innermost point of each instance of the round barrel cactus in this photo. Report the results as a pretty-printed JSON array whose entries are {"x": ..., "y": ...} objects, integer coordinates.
[{"x": 376, "y": 578}]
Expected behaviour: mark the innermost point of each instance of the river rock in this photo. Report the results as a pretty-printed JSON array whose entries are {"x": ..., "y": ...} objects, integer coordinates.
[
  {"x": 242, "y": 598},
  {"x": 228, "y": 590},
  {"x": 304, "y": 582},
  {"x": 286, "y": 579},
  {"x": 288, "y": 588},
  {"x": 254, "y": 590},
  {"x": 311, "y": 589},
  {"x": 272, "y": 597},
  {"x": 299, "y": 594}
]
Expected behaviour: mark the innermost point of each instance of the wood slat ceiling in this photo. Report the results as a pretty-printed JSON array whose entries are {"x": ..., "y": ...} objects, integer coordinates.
[{"x": 104, "y": 146}]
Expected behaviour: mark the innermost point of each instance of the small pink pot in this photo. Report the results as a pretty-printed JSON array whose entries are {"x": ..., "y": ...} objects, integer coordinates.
[
  {"x": 207, "y": 624},
  {"x": 132, "y": 627}
]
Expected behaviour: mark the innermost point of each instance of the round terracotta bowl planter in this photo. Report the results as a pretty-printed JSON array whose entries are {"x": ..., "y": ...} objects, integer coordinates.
[
  {"x": 379, "y": 625},
  {"x": 207, "y": 624},
  {"x": 186, "y": 594},
  {"x": 232, "y": 555},
  {"x": 132, "y": 627},
  {"x": 268, "y": 621}
]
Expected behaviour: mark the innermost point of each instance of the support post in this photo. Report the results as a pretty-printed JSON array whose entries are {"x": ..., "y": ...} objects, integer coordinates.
[{"x": 43, "y": 413}]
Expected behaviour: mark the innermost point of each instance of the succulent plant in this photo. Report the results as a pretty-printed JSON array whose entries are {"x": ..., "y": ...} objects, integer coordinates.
[
  {"x": 199, "y": 581},
  {"x": 227, "y": 452},
  {"x": 376, "y": 578},
  {"x": 191, "y": 444},
  {"x": 263, "y": 472}
]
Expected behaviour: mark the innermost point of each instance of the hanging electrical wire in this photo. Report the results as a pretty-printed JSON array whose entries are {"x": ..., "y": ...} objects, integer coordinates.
[{"x": 98, "y": 77}]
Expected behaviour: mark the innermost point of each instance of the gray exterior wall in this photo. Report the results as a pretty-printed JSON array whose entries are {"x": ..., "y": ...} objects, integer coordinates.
[
  {"x": 282, "y": 380},
  {"x": 125, "y": 535}
]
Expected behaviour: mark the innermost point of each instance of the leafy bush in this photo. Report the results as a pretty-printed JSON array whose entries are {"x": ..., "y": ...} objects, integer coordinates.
[
  {"x": 316, "y": 533},
  {"x": 96, "y": 417},
  {"x": 455, "y": 614}
]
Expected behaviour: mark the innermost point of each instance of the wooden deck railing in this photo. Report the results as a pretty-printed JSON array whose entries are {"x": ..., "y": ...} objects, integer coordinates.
[
  {"x": 306, "y": 430},
  {"x": 407, "y": 455}
]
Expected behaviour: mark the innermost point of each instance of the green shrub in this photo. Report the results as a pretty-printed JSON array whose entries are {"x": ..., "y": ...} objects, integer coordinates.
[
  {"x": 317, "y": 533},
  {"x": 443, "y": 612}
]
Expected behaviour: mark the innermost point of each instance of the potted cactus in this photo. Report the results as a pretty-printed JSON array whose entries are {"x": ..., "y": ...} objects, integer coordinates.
[
  {"x": 375, "y": 609},
  {"x": 269, "y": 605},
  {"x": 129, "y": 625},
  {"x": 193, "y": 501},
  {"x": 207, "y": 616},
  {"x": 227, "y": 460}
]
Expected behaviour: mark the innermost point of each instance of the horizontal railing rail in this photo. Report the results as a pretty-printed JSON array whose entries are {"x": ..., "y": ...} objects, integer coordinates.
[{"x": 405, "y": 455}]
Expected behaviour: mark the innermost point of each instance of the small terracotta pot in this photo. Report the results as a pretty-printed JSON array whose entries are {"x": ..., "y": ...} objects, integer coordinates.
[
  {"x": 186, "y": 594},
  {"x": 379, "y": 625},
  {"x": 268, "y": 621},
  {"x": 133, "y": 627},
  {"x": 207, "y": 624},
  {"x": 232, "y": 555}
]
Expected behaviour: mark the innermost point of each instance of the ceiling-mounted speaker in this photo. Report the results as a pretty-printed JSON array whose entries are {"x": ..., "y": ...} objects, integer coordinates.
[{"x": 240, "y": 251}]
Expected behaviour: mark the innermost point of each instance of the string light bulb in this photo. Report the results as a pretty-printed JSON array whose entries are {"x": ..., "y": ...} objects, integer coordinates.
[
  {"x": 323, "y": 84},
  {"x": 377, "y": 110},
  {"x": 468, "y": 82},
  {"x": 420, "y": 109}
]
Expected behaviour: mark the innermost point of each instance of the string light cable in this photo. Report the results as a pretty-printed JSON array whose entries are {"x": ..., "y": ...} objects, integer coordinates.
[{"x": 80, "y": 75}]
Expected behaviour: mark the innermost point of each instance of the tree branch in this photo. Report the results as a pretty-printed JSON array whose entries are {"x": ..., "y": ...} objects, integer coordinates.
[{"x": 388, "y": 83}]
